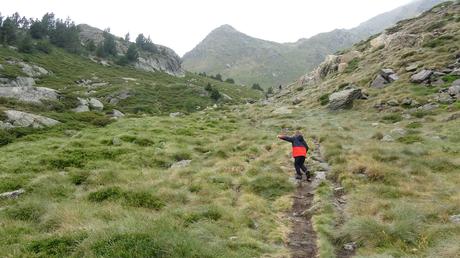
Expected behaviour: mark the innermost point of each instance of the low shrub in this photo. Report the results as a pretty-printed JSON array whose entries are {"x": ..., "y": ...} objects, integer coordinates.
[
  {"x": 110, "y": 193},
  {"x": 409, "y": 139},
  {"x": 31, "y": 212},
  {"x": 324, "y": 99},
  {"x": 79, "y": 178},
  {"x": 143, "y": 199},
  {"x": 205, "y": 213},
  {"x": 56, "y": 246},
  {"x": 392, "y": 118}
]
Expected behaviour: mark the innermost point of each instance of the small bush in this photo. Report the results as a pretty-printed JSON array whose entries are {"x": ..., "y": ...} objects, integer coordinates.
[
  {"x": 352, "y": 65},
  {"x": 79, "y": 178},
  {"x": 44, "y": 46},
  {"x": 436, "y": 25},
  {"x": 206, "y": 213},
  {"x": 324, "y": 99},
  {"x": 450, "y": 78},
  {"x": 414, "y": 125},
  {"x": 408, "y": 139},
  {"x": 10, "y": 184},
  {"x": 56, "y": 246},
  {"x": 6, "y": 137},
  {"x": 392, "y": 118},
  {"x": 377, "y": 136},
  {"x": 111, "y": 193},
  {"x": 31, "y": 212},
  {"x": 143, "y": 199}
]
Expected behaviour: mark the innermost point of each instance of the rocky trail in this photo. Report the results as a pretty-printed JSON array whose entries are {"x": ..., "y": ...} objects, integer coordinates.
[{"x": 302, "y": 239}]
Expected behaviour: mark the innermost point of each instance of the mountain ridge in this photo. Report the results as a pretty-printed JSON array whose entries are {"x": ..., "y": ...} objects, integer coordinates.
[{"x": 272, "y": 63}]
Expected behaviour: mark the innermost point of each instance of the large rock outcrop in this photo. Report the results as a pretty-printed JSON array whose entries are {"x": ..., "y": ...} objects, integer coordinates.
[
  {"x": 344, "y": 99},
  {"x": 22, "y": 119},
  {"x": 165, "y": 60},
  {"x": 29, "y": 94}
]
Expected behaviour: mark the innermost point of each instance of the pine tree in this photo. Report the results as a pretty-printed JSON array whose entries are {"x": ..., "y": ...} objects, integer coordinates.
[{"x": 132, "y": 53}]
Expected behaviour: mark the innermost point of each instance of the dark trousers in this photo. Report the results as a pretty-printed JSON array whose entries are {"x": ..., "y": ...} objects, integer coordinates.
[{"x": 300, "y": 166}]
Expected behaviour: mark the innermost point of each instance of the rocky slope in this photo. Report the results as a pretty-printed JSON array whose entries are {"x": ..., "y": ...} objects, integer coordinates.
[
  {"x": 389, "y": 111},
  {"x": 166, "y": 60},
  {"x": 249, "y": 60}
]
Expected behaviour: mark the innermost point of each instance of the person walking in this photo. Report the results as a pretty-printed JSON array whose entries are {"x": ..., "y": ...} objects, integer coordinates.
[{"x": 299, "y": 153}]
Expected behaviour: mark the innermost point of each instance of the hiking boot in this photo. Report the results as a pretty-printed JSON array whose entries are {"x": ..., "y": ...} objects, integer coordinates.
[
  {"x": 298, "y": 177},
  {"x": 309, "y": 178}
]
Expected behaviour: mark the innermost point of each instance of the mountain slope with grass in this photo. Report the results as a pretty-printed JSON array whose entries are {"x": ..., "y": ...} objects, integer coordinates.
[
  {"x": 250, "y": 60},
  {"x": 384, "y": 147}
]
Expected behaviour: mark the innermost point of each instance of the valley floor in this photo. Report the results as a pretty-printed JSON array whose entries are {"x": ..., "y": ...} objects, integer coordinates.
[{"x": 128, "y": 189}]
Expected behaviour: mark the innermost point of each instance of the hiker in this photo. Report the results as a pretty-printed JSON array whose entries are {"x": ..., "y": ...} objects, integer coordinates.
[
  {"x": 280, "y": 87},
  {"x": 299, "y": 153}
]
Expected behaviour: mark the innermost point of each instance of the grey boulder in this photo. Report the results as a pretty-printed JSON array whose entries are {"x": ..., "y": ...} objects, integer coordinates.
[
  {"x": 95, "y": 104},
  {"x": 344, "y": 99},
  {"x": 29, "y": 94},
  {"x": 23, "y": 119},
  {"x": 421, "y": 76}
]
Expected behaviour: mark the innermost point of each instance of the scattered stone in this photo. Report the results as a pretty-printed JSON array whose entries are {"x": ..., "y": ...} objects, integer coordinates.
[
  {"x": 387, "y": 138},
  {"x": 129, "y": 79},
  {"x": 176, "y": 114},
  {"x": 13, "y": 194},
  {"x": 421, "y": 76},
  {"x": 379, "y": 82},
  {"x": 406, "y": 116},
  {"x": 116, "y": 141},
  {"x": 1, "y": 67},
  {"x": 444, "y": 98},
  {"x": 22, "y": 119},
  {"x": 117, "y": 113},
  {"x": 452, "y": 117},
  {"x": 393, "y": 103},
  {"x": 455, "y": 219},
  {"x": 350, "y": 246},
  {"x": 375, "y": 124},
  {"x": 95, "y": 104},
  {"x": 428, "y": 107},
  {"x": 29, "y": 94},
  {"x": 447, "y": 70},
  {"x": 82, "y": 107},
  {"x": 233, "y": 238},
  {"x": 226, "y": 96},
  {"x": 412, "y": 68},
  {"x": 399, "y": 131},
  {"x": 456, "y": 72},
  {"x": 33, "y": 70},
  {"x": 296, "y": 101},
  {"x": 18, "y": 82},
  {"x": 456, "y": 82},
  {"x": 339, "y": 190},
  {"x": 344, "y": 99},
  {"x": 5, "y": 126},
  {"x": 454, "y": 91},
  {"x": 282, "y": 111},
  {"x": 406, "y": 102},
  {"x": 181, "y": 164}
]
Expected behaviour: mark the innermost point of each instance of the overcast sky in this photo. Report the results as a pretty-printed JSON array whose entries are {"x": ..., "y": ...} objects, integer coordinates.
[{"x": 182, "y": 24}]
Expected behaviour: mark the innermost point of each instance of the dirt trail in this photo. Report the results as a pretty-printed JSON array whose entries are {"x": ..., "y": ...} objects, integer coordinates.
[{"x": 302, "y": 239}]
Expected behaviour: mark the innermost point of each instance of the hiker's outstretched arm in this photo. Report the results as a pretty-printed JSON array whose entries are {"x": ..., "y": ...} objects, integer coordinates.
[{"x": 285, "y": 138}]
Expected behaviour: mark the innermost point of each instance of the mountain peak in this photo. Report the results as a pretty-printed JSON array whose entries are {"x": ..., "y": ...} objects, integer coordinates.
[{"x": 225, "y": 28}]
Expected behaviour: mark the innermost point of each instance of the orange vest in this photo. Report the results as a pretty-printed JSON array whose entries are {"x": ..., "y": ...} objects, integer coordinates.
[{"x": 299, "y": 151}]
